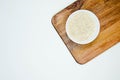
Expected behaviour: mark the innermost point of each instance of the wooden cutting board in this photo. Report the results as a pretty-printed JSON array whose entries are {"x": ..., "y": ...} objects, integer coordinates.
[{"x": 108, "y": 12}]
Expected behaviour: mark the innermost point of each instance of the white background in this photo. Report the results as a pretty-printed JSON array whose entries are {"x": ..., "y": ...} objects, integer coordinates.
[{"x": 30, "y": 48}]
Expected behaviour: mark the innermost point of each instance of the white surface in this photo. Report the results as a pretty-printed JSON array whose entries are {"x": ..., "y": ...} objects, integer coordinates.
[
  {"x": 82, "y": 26},
  {"x": 30, "y": 48}
]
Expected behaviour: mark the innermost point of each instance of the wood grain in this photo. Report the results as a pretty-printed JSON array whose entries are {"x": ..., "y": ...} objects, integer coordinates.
[{"x": 108, "y": 12}]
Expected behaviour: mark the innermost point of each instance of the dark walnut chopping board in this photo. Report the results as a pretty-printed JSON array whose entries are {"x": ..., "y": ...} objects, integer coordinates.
[{"x": 108, "y": 12}]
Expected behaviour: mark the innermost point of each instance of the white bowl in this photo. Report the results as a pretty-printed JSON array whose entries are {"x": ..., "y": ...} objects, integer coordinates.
[{"x": 82, "y": 26}]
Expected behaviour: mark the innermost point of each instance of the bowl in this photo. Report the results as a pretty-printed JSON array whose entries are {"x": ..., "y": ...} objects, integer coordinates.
[{"x": 82, "y": 26}]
